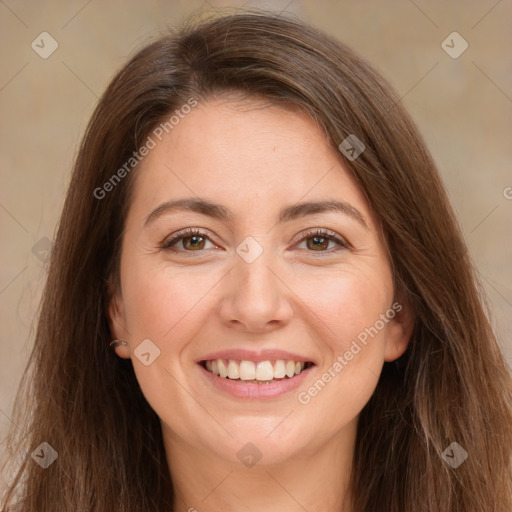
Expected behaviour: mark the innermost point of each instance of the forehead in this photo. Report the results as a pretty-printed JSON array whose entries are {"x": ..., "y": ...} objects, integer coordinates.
[{"x": 243, "y": 153}]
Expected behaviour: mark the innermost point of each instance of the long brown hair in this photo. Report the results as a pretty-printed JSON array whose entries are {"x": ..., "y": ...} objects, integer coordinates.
[{"x": 451, "y": 384}]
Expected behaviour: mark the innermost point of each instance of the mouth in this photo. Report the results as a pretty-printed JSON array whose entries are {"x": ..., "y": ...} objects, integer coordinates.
[{"x": 256, "y": 372}]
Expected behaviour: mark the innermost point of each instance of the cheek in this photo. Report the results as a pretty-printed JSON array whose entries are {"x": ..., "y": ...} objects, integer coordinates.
[
  {"x": 347, "y": 302},
  {"x": 353, "y": 338},
  {"x": 160, "y": 302},
  {"x": 167, "y": 307}
]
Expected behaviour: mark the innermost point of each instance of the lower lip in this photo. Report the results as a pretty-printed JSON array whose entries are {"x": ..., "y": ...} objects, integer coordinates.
[{"x": 239, "y": 389}]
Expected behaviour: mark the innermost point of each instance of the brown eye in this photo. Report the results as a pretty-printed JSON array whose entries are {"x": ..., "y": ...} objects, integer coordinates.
[
  {"x": 197, "y": 242},
  {"x": 191, "y": 241},
  {"x": 319, "y": 242}
]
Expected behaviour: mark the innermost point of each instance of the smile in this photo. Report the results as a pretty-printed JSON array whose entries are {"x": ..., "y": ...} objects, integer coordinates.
[{"x": 255, "y": 372}]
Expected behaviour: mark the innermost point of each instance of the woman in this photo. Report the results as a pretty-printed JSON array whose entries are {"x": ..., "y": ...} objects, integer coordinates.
[{"x": 325, "y": 346}]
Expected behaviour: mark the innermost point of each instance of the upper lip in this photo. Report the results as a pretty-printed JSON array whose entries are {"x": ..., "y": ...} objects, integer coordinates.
[{"x": 250, "y": 355}]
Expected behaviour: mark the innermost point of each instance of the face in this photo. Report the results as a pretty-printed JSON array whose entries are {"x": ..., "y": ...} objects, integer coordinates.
[{"x": 263, "y": 284}]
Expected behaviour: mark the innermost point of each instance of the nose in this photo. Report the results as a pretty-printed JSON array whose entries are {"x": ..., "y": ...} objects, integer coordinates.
[{"x": 256, "y": 297}]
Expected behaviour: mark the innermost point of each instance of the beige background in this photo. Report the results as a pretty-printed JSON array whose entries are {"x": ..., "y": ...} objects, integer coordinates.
[{"x": 463, "y": 107}]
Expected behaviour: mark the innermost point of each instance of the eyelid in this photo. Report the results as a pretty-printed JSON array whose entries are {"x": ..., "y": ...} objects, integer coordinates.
[
  {"x": 326, "y": 233},
  {"x": 184, "y": 233}
]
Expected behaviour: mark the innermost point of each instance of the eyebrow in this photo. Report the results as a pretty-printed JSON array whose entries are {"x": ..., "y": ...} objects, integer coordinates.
[{"x": 289, "y": 213}]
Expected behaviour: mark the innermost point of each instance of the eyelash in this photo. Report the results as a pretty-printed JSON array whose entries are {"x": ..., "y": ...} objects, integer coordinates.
[{"x": 168, "y": 245}]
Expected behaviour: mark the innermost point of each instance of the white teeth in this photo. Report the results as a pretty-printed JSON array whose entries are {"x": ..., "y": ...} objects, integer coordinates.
[
  {"x": 290, "y": 368},
  {"x": 264, "y": 371},
  {"x": 251, "y": 371},
  {"x": 223, "y": 370},
  {"x": 233, "y": 370},
  {"x": 279, "y": 369},
  {"x": 247, "y": 370}
]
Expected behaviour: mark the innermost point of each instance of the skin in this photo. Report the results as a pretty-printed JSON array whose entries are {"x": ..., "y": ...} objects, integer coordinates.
[{"x": 254, "y": 159}]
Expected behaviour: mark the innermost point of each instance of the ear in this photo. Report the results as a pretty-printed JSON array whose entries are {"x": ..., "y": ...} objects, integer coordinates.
[
  {"x": 117, "y": 320},
  {"x": 400, "y": 330}
]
